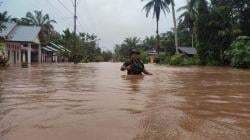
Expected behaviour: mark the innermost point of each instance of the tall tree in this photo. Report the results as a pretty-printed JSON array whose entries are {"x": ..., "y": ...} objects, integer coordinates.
[
  {"x": 148, "y": 42},
  {"x": 157, "y": 6},
  {"x": 204, "y": 50},
  {"x": 171, "y": 2},
  {"x": 132, "y": 42},
  {"x": 122, "y": 50},
  {"x": 39, "y": 19},
  {"x": 189, "y": 16},
  {"x": 4, "y": 17}
]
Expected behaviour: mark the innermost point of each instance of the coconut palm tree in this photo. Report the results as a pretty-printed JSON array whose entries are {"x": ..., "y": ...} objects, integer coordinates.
[
  {"x": 4, "y": 17},
  {"x": 2, "y": 27},
  {"x": 39, "y": 19},
  {"x": 132, "y": 42},
  {"x": 148, "y": 42},
  {"x": 189, "y": 16},
  {"x": 171, "y": 2},
  {"x": 157, "y": 6}
]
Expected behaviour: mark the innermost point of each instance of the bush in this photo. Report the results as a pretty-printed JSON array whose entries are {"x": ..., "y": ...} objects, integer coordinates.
[
  {"x": 144, "y": 57},
  {"x": 160, "y": 58},
  {"x": 3, "y": 58},
  {"x": 85, "y": 60},
  {"x": 177, "y": 60},
  {"x": 239, "y": 53},
  {"x": 182, "y": 60}
]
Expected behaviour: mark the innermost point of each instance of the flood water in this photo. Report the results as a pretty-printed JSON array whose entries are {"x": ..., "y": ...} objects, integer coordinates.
[{"x": 98, "y": 102}]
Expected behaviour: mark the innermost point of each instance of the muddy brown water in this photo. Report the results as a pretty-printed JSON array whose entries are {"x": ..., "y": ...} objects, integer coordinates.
[{"x": 98, "y": 102}]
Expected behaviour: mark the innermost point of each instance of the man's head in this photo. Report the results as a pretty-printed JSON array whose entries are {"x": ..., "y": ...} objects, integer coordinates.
[{"x": 134, "y": 54}]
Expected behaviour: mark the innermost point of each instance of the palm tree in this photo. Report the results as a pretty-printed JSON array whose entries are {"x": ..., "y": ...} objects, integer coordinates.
[
  {"x": 189, "y": 15},
  {"x": 4, "y": 17},
  {"x": 148, "y": 42},
  {"x": 157, "y": 6},
  {"x": 39, "y": 19},
  {"x": 175, "y": 24},
  {"x": 2, "y": 27},
  {"x": 132, "y": 42}
]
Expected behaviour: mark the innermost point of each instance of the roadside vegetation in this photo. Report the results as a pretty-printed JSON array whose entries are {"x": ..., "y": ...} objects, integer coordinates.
[
  {"x": 219, "y": 30},
  {"x": 3, "y": 58}
]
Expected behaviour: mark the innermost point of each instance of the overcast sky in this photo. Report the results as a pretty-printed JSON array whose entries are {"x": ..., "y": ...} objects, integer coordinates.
[{"x": 110, "y": 20}]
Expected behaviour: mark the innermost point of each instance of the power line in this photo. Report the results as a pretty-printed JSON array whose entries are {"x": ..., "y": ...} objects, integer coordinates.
[
  {"x": 56, "y": 10},
  {"x": 66, "y": 7},
  {"x": 75, "y": 17}
]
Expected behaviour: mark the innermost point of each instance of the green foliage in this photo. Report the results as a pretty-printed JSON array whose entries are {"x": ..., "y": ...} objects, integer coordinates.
[
  {"x": 177, "y": 60},
  {"x": 2, "y": 27},
  {"x": 85, "y": 50},
  {"x": 168, "y": 42},
  {"x": 4, "y": 17},
  {"x": 160, "y": 58},
  {"x": 2, "y": 49},
  {"x": 85, "y": 60},
  {"x": 239, "y": 53},
  {"x": 38, "y": 18},
  {"x": 3, "y": 58},
  {"x": 181, "y": 60},
  {"x": 107, "y": 55},
  {"x": 122, "y": 51},
  {"x": 144, "y": 56},
  {"x": 148, "y": 43},
  {"x": 157, "y": 6}
]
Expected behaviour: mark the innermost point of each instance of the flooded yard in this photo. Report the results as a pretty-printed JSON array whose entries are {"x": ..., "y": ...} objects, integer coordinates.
[{"x": 98, "y": 102}]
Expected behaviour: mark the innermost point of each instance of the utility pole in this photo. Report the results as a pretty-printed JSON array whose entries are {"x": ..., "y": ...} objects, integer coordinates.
[
  {"x": 75, "y": 56},
  {"x": 75, "y": 18}
]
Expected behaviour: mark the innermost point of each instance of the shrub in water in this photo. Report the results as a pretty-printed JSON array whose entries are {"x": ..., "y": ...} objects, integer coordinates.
[
  {"x": 239, "y": 52},
  {"x": 3, "y": 58},
  {"x": 3, "y": 61},
  {"x": 144, "y": 57},
  {"x": 177, "y": 60},
  {"x": 160, "y": 58}
]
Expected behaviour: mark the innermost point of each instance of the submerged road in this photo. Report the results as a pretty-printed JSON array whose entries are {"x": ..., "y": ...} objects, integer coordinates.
[{"x": 98, "y": 102}]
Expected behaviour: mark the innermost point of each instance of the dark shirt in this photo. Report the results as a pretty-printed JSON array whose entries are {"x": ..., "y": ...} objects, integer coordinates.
[{"x": 137, "y": 66}]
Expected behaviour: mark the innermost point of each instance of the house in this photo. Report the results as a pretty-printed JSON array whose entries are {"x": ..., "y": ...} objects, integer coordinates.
[
  {"x": 22, "y": 43},
  {"x": 60, "y": 52},
  {"x": 188, "y": 51}
]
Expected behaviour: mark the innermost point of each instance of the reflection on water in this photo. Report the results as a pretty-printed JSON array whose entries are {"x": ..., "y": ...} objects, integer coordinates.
[{"x": 98, "y": 102}]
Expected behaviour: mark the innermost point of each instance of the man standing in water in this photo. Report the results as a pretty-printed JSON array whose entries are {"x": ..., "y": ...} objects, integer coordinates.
[{"x": 134, "y": 66}]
